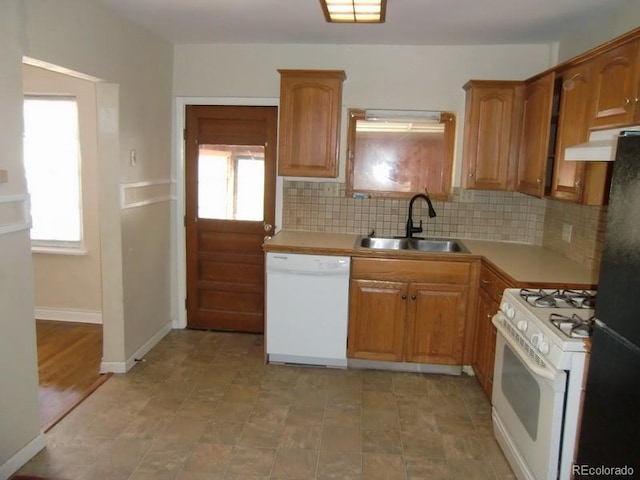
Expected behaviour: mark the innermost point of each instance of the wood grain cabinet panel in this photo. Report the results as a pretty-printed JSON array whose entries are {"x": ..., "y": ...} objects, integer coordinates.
[
  {"x": 376, "y": 320},
  {"x": 408, "y": 311},
  {"x": 310, "y": 112},
  {"x": 493, "y": 111},
  {"x": 436, "y": 323},
  {"x": 616, "y": 86},
  {"x": 534, "y": 138},
  {"x": 492, "y": 285}
]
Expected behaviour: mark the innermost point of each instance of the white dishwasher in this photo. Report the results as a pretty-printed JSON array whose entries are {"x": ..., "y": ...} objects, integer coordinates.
[{"x": 307, "y": 306}]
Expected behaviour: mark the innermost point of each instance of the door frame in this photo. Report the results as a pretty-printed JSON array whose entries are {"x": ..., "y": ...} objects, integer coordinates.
[{"x": 178, "y": 251}]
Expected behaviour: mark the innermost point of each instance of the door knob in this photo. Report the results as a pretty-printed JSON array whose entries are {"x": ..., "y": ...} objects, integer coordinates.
[{"x": 267, "y": 227}]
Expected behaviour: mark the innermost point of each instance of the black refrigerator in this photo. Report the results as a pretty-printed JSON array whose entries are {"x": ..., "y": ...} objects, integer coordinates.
[{"x": 610, "y": 431}]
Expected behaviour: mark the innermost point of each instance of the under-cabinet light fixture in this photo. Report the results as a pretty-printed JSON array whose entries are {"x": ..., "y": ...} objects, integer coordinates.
[{"x": 354, "y": 11}]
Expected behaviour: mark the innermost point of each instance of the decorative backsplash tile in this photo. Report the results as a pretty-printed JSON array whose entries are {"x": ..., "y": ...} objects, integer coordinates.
[
  {"x": 483, "y": 215},
  {"x": 475, "y": 214},
  {"x": 587, "y": 226}
]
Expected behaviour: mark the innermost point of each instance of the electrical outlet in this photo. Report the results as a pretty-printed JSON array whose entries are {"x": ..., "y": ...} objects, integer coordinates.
[
  {"x": 331, "y": 189},
  {"x": 466, "y": 196},
  {"x": 133, "y": 158},
  {"x": 567, "y": 232}
]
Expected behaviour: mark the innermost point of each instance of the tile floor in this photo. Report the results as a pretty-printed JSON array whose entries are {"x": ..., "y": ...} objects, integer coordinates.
[{"x": 204, "y": 406}]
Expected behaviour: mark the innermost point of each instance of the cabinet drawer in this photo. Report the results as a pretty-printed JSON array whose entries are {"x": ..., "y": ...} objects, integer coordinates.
[
  {"x": 430, "y": 271},
  {"x": 492, "y": 284}
]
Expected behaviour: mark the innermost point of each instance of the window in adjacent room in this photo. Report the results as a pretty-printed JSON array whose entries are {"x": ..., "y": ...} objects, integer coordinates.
[{"x": 52, "y": 165}]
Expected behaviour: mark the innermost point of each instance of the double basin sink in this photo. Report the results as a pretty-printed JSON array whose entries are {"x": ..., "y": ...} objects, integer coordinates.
[{"x": 444, "y": 245}]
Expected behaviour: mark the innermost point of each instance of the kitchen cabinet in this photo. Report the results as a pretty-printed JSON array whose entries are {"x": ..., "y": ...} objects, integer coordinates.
[
  {"x": 493, "y": 112},
  {"x": 408, "y": 310},
  {"x": 616, "y": 86},
  {"x": 580, "y": 182},
  {"x": 309, "y": 131},
  {"x": 492, "y": 284},
  {"x": 534, "y": 138}
]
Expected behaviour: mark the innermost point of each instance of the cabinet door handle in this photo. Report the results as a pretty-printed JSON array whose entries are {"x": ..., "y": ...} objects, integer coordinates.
[
  {"x": 413, "y": 297},
  {"x": 486, "y": 282},
  {"x": 404, "y": 297},
  {"x": 627, "y": 101}
]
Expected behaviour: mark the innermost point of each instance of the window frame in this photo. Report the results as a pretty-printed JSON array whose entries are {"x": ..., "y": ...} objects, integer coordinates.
[{"x": 51, "y": 246}]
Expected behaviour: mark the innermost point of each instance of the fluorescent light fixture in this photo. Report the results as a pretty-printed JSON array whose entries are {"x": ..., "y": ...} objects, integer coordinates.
[
  {"x": 397, "y": 127},
  {"x": 354, "y": 11}
]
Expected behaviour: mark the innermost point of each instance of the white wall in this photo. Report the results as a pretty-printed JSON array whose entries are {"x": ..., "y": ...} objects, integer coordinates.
[
  {"x": 19, "y": 418},
  {"x": 605, "y": 29},
  {"x": 103, "y": 45},
  {"x": 69, "y": 285},
  {"x": 397, "y": 77},
  {"x": 134, "y": 112}
]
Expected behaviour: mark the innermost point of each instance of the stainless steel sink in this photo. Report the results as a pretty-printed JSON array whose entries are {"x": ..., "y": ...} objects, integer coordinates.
[{"x": 446, "y": 245}]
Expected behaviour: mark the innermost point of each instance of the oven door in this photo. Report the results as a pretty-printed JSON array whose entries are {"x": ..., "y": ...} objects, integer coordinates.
[{"x": 528, "y": 403}]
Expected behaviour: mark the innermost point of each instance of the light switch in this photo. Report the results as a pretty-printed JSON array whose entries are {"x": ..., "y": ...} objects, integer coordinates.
[{"x": 4, "y": 176}]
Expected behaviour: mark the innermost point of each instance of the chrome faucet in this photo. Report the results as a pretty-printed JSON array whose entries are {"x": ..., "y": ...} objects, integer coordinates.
[{"x": 432, "y": 213}]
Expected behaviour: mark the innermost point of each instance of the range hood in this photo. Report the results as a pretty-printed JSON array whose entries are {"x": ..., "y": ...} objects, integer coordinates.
[{"x": 601, "y": 146}]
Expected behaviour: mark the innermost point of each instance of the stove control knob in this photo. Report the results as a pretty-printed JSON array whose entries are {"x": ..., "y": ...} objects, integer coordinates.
[
  {"x": 508, "y": 310},
  {"x": 543, "y": 347},
  {"x": 522, "y": 325},
  {"x": 536, "y": 339}
]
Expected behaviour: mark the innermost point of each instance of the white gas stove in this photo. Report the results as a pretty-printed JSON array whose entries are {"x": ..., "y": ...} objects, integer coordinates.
[{"x": 541, "y": 358}]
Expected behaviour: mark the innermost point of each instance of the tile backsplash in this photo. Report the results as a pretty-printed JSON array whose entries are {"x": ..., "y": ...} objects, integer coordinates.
[{"x": 473, "y": 214}]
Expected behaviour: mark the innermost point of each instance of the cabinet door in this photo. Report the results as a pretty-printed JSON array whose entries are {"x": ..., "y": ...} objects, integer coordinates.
[
  {"x": 492, "y": 118},
  {"x": 377, "y": 313},
  {"x": 573, "y": 128},
  {"x": 435, "y": 323},
  {"x": 310, "y": 111},
  {"x": 485, "y": 342},
  {"x": 616, "y": 75},
  {"x": 534, "y": 139}
]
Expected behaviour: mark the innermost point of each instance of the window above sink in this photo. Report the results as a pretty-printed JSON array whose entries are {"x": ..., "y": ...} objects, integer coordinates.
[{"x": 395, "y": 154}]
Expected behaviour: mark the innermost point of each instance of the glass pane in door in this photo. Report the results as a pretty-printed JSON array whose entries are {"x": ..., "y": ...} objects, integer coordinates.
[{"x": 231, "y": 182}]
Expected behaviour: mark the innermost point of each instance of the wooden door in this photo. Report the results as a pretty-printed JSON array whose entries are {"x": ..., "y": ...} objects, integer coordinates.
[
  {"x": 436, "y": 321},
  {"x": 377, "y": 312},
  {"x": 534, "y": 143},
  {"x": 230, "y": 206},
  {"x": 616, "y": 75}
]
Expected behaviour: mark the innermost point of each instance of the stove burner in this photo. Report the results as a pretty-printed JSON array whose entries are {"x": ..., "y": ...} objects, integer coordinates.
[
  {"x": 574, "y": 326},
  {"x": 559, "y": 298}
]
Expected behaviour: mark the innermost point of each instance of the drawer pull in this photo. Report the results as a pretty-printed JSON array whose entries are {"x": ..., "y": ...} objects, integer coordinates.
[{"x": 486, "y": 282}]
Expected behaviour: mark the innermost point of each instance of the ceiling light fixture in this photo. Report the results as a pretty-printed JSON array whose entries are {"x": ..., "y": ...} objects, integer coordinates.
[{"x": 354, "y": 11}]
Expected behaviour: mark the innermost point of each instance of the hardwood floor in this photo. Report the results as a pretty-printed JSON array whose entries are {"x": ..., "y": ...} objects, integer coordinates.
[{"x": 69, "y": 356}]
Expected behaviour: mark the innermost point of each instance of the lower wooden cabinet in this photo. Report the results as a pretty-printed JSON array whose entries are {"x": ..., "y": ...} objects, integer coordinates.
[
  {"x": 489, "y": 297},
  {"x": 408, "y": 311},
  {"x": 485, "y": 342}
]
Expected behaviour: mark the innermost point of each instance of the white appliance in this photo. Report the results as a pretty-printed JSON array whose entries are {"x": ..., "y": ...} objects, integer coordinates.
[
  {"x": 541, "y": 358},
  {"x": 307, "y": 305},
  {"x": 601, "y": 146}
]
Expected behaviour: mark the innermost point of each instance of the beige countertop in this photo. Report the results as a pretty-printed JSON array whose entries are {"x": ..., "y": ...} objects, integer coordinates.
[{"x": 525, "y": 264}]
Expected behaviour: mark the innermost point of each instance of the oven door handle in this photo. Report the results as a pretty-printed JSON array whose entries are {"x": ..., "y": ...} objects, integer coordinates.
[{"x": 548, "y": 373}]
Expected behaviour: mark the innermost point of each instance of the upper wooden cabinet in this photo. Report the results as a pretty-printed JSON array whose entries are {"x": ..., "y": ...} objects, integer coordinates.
[
  {"x": 310, "y": 111},
  {"x": 580, "y": 182},
  {"x": 534, "y": 138},
  {"x": 493, "y": 113},
  {"x": 573, "y": 128},
  {"x": 616, "y": 85}
]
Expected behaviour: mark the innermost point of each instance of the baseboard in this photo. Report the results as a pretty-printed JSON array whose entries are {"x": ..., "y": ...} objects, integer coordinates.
[
  {"x": 124, "y": 367},
  {"x": 68, "y": 315},
  {"x": 29, "y": 451}
]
